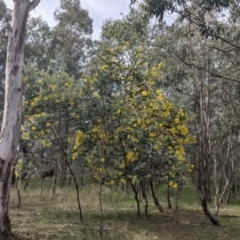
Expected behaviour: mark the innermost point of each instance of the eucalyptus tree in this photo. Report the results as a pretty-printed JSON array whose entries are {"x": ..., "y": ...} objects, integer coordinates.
[
  {"x": 207, "y": 16},
  {"x": 38, "y": 43},
  {"x": 184, "y": 48},
  {"x": 5, "y": 17},
  {"x": 12, "y": 117},
  {"x": 71, "y": 37},
  {"x": 176, "y": 46},
  {"x": 211, "y": 57},
  {"x": 4, "y": 23}
]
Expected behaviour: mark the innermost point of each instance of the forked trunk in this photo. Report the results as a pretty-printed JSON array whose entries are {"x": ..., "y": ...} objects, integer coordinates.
[
  {"x": 213, "y": 220},
  {"x": 136, "y": 196},
  {"x": 12, "y": 116}
]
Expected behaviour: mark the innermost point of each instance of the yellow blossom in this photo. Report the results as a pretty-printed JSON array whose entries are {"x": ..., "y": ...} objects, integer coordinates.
[
  {"x": 52, "y": 86},
  {"x": 119, "y": 173},
  {"x": 74, "y": 156},
  {"x": 176, "y": 120},
  {"x": 122, "y": 180},
  {"x": 25, "y": 136},
  {"x": 103, "y": 67},
  {"x": 25, "y": 79},
  {"x": 131, "y": 156},
  {"x": 68, "y": 85},
  {"x": 46, "y": 143},
  {"x": 112, "y": 182},
  {"x": 183, "y": 130},
  {"x": 152, "y": 135},
  {"x": 139, "y": 49},
  {"x": 35, "y": 101},
  {"x": 71, "y": 102}
]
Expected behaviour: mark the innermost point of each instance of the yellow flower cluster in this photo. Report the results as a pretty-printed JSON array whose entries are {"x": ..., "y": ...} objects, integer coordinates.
[
  {"x": 173, "y": 184},
  {"x": 71, "y": 102},
  {"x": 35, "y": 101},
  {"x": 144, "y": 93},
  {"x": 154, "y": 73},
  {"x": 132, "y": 156},
  {"x": 159, "y": 95},
  {"x": 180, "y": 153},
  {"x": 190, "y": 167},
  {"x": 39, "y": 116},
  {"x": 25, "y": 79},
  {"x": 80, "y": 137},
  {"x": 46, "y": 143},
  {"x": 182, "y": 129},
  {"x": 68, "y": 85},
  {"x": 103, "y": 67},
  {"x": 25, "y": 135},
  {"x": 18, "y": 167},
  {"x": 152, "y": 135},
  {"x": 52, "y": 87}
]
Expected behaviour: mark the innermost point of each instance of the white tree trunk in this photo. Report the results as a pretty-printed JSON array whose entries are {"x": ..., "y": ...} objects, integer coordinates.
[{"x": 12, "y": 116}]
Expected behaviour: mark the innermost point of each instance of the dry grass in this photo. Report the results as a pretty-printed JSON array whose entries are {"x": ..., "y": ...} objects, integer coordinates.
[{"x": 56, "y": 217}]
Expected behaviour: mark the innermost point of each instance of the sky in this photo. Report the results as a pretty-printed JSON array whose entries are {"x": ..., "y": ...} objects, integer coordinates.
[{"x": 99, "y": 11}]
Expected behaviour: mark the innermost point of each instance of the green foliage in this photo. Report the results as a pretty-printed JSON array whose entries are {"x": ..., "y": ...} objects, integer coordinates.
[
  {"x": 51, "y": 110},
  {"x": 66, "y": 46},
  {"x": 71, "y": 40},
  {"x": 38, "y": 43},
  {"x": 159, "y": 7},
  {"x": 135, "y": 133}
]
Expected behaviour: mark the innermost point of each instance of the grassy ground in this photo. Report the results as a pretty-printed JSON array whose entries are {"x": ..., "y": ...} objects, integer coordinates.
[{"x": 56, "y": 217}]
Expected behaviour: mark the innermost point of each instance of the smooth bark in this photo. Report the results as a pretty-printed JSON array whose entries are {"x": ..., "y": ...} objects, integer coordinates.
[
  {"x": 12, "y": 117},
  {"x": 205, "y": 163}
]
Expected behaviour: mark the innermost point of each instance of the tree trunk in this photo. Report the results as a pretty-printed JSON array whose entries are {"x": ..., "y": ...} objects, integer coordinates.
[
  {"x": 100, "y": 209},
  {"x": 214, "y": 221},
  {"x": 12, "y": 116},
  {"x": 136, "y": 196},
  {"x": 155, "y": 199},
  {"x": 204, "y": 157},
  {"x": 54, "y": 180},
  {"x": 145, "y": 198},
  {"x": 168, "y": 197},
  {"x": 63, "y": 174},
  {"x": 19, "y": 191}
]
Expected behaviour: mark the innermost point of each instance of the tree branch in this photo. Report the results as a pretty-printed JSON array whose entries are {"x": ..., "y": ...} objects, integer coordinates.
[
  {"x": 203, "y": 25},
  {"x": 202, "y": 68},
  {"x": 33, "y": 4},
  {"x": 222, "y": 50}
]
